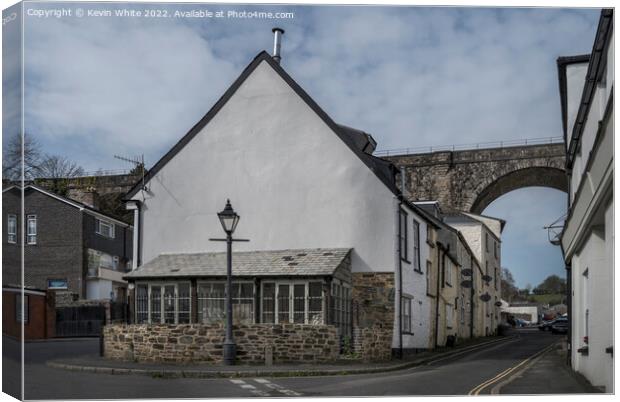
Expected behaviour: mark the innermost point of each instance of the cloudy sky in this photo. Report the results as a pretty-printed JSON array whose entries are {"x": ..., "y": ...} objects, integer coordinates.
[{"x": 411, "y": 76}]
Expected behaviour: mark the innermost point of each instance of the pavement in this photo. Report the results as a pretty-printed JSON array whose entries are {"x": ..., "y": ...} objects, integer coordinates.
[
  {"x": 457, "y": 373},
  {"x": 549, "y": 373}
]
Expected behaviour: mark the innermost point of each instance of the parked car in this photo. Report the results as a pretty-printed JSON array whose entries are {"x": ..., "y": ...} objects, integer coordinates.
[
  {"x": 560, "y": 326},
  {"x": 546, "y": 325}
]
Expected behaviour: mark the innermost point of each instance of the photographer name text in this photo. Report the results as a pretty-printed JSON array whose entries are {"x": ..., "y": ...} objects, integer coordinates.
[{"x": 154, "y": 13}]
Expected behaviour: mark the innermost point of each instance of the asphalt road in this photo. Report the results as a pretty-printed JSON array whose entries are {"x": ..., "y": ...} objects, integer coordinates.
[{"x": 454, "y": 376}]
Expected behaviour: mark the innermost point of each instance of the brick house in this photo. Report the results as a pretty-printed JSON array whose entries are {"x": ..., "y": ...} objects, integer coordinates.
[{"x": 69, "y": 246}]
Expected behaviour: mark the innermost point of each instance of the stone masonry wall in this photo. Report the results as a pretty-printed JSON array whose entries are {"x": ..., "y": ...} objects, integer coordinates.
[
  {"x": 373, "y": 314},
  {"x": 470, "y": 180},
  {"x": 196, "y": 343}
]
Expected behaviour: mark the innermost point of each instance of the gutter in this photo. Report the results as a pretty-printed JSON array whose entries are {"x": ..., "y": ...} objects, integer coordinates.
[{"x": 593, "y": 75}]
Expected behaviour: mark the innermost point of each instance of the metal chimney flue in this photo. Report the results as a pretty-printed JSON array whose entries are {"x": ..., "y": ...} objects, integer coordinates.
[{"x": 277, "y": 42}]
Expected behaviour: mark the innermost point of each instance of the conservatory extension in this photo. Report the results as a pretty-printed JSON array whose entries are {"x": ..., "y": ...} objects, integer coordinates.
[{"x": 307, "y": 286}]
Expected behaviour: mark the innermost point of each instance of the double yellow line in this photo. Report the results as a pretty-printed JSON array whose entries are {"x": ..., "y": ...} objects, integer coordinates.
[{"x": 505, "y": 373}]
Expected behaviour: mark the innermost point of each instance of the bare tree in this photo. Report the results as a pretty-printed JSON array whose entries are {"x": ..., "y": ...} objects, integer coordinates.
[
  {"x": 56, "y": 166},
  {"x": 12, "y": 158}
]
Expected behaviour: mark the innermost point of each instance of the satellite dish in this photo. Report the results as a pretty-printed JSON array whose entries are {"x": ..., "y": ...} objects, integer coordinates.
[
  {"x": 498, "y": 303},
  {"x": 466, "y": 284},
  {"x": 485, "y": 297},
  {"x": 466, "y": 272}
]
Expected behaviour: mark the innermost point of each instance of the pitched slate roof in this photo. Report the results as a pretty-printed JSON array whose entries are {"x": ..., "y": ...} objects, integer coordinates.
[
  {"x": 384, "y": 170},
  {"x": 300, "y": 262},
  {"x": 79, "y": 205}
]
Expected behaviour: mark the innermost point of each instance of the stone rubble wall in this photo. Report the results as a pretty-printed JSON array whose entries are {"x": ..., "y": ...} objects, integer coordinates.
[
  {"x": 198, "y": 343},
  {"x": 373, "y": 314}
]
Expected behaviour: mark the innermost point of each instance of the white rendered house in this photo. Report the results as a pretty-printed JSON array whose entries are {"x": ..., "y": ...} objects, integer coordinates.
[
  {"x": 304, "y": 186},
  {"x": 586, "y": 89}
]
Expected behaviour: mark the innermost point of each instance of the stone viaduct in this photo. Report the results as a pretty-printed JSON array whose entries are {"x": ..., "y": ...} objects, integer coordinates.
[{"x": 469, "y": 180}]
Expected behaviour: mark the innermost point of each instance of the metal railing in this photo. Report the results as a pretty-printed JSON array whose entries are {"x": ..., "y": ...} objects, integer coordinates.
[
  {"x": 101, "y": 172},
  {"x": 470, "y": 146}
]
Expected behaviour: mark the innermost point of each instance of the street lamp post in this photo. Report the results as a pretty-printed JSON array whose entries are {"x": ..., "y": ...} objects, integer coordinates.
[{"x": 229, "y": 219}]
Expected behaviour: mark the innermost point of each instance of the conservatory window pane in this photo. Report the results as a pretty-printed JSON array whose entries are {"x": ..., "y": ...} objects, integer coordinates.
[
  {"x": 184, "y": 303},
  {"x": 156, "y": 304},
  {"x": 169, "y": 304},
  {"x": 315, "y": 303},
  {"x": 142, "y": 304},
  {"x": 284, "y": 304},
  {"x": 299, "y": 303},
  {"x": 269, "y": 305}
]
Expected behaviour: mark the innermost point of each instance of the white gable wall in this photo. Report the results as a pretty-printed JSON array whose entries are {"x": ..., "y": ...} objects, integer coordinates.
[{"x": 294, "y": 183}]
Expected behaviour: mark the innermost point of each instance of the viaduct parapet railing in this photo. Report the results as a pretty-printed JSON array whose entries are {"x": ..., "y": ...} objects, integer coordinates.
[{"x": 470, "y": 146}]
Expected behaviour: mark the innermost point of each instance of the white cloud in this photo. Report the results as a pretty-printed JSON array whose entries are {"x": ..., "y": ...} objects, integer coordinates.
[
  {"x": 410, "y": 76},
  {"x": 115, "y": 88}
]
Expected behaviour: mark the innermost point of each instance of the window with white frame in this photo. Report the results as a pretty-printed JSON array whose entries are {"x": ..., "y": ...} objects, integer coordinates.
[
  {"x": 429, "y": 285},
  {"x": 98, "y": 259},
  {"x": 212, "y": 302},
  {"x": 416, "y": 246},
  {"x": 163, "y": 303},
  {"x": 449, "y": 316},
  {"x": 448, "y": 274},
  {"x": 12, "y": 228},
  {"x": 104, "y": 228},
  {"x": 31, "y": 229},
  {"x": 406, "y": 314},
  {"x": 403, "y": 235},
  {"x": 292, "y": 302}
]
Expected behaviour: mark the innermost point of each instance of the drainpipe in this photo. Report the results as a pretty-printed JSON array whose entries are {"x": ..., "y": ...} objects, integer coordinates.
[
  {"x": 441, "y": 260},
  {"x": 137, "y": 235},
  {"x": 471, "y": 300},
  {"x": 399, "y": 288},
  {"x": 569, "y": 311}
]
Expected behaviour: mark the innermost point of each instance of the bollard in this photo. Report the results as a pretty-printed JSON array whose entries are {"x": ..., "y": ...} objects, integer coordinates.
[{"x": 268, "y": 355}]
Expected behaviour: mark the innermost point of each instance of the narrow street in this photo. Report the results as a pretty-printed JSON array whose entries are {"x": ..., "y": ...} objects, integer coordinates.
[{"x": 465, "y": 373}]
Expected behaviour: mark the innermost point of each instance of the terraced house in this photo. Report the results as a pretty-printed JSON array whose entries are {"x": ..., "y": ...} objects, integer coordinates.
[{"x": 586, "y": 94}]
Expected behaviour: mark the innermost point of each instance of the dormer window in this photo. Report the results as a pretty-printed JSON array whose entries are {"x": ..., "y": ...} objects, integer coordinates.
[{"x": 104, "y": 228}]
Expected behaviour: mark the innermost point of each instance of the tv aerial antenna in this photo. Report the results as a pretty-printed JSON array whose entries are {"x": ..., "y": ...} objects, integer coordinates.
[
  {"x": 554, "y": 230},
  {"x": 138, "y": 162}
]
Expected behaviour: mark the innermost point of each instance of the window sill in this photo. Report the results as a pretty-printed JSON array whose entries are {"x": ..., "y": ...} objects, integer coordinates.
[
  {"x": 104, "y": 236},
  {"x": 448, "y": 284},
  {"x": 407, "y": 333},
  {"x": 430, "y": 295},
  {"x": 430, "y": 243},
  {"x": 405, "y": 260},
  {"x": 419, "y": 271}
]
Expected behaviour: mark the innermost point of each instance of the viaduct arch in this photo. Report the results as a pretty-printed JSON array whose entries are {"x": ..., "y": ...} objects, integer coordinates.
[{"x": 469, "y": 180}]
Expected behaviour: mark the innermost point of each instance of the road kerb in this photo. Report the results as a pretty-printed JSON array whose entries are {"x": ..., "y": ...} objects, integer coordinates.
[{"x": 276, "y": 373}]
